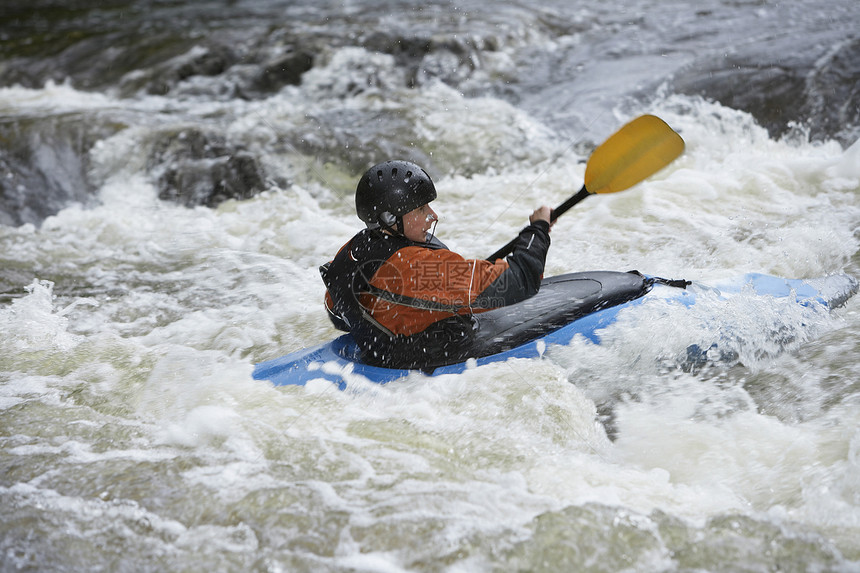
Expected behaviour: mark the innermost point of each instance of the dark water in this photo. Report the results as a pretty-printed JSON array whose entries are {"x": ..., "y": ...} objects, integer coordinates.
[
  {"x": 567, "y": 64},
  {"x": 173, "y": 173}
]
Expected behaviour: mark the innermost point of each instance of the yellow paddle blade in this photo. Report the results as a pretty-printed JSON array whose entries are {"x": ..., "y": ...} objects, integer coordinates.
[{"x": 635, "y": 152}]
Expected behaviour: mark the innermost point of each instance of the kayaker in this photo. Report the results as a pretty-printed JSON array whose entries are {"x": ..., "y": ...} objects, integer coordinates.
[{"x": 407, "y": 300}]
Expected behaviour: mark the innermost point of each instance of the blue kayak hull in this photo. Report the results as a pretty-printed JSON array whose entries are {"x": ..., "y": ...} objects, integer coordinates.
[{"x": 339, "y": 360}]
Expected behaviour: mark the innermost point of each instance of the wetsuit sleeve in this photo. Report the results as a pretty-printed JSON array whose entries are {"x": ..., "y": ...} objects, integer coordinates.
[{"x": 521, "y": 279}]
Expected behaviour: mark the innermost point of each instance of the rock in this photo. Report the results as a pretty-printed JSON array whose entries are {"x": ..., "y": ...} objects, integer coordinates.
[
  {"x": 832, "y": 93},
  {"x": 44, "y": 164},
  {"x": 203, "y": 169},
  {"x": 286, "y": 70},
  {"x": 808, "y": 81},
  {"x": 207, "y": 61}
]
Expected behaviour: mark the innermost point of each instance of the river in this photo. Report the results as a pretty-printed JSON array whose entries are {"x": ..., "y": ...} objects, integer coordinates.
[{"x": 172, "y": 173}]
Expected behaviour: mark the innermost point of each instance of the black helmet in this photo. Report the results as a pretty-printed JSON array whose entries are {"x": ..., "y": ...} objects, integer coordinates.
[{"x": 389, "y": 190}]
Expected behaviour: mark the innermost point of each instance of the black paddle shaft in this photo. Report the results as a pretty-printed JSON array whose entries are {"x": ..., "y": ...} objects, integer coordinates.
[{"x": 556, "y": 213}]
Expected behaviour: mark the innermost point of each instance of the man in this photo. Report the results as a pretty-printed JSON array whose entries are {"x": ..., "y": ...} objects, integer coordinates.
[{"x": 407, "y": 300}]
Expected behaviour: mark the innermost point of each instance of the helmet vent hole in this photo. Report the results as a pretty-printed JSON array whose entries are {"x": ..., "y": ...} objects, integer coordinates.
[{"x": 379, "y": 174}]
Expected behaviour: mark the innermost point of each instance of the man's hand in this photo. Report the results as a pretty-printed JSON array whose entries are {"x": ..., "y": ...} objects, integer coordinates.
[{"x": 542, "y": 213}]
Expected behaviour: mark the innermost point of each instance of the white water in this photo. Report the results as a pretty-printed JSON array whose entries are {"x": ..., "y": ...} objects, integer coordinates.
[{"x": 133, "y": 436}]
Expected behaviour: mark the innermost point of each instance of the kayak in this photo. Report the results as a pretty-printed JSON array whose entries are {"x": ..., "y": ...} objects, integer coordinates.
[{"x": 566, "y": 306}]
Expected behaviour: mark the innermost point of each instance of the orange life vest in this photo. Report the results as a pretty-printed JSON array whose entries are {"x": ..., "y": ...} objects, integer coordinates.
[{"x": 394, "y": 294}]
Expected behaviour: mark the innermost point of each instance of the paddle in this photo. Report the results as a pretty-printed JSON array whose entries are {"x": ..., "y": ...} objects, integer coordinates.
[{"x": 633, "y": 153}]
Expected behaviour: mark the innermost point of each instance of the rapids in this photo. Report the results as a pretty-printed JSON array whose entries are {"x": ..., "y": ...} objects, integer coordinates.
[{"x": 173, "y": 173}]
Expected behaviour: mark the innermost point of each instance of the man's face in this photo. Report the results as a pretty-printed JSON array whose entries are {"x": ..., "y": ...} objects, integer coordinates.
[{"x": 417, "y": 222}]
